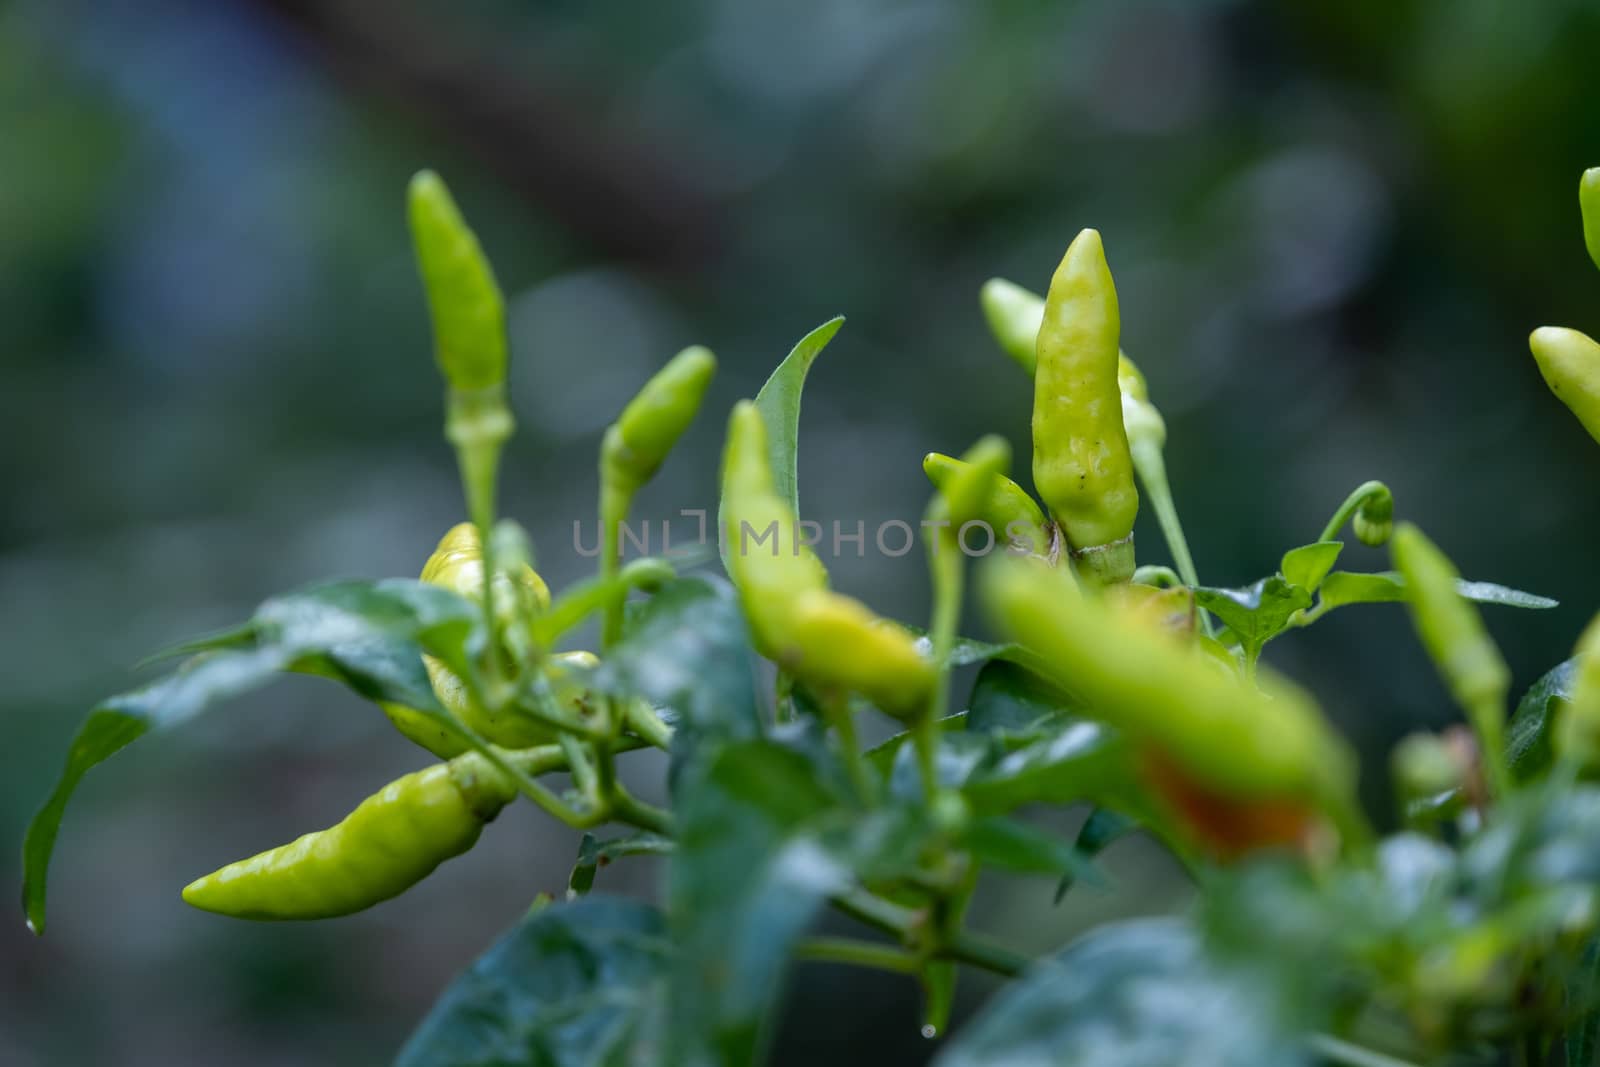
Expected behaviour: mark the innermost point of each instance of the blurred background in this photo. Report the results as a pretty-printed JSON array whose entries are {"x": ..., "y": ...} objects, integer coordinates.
[{"x": 1333, "y": 224}]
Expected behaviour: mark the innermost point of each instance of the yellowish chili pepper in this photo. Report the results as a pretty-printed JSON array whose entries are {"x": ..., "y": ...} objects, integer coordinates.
[
  {"x": 1570, "y": 364},
  {"x": 1081, "y": 463},
  {"x": 393, "y": 840}
]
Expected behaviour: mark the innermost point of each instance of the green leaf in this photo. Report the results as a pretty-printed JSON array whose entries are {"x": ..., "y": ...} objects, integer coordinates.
[
  {"x": 965, "y": 651},
  {"x": 122, "y": 720},
  {"x": 1008, "y": 698},
  {"x": 688, "y": 650},
  {"x": 1010, "y": 845},
  {"x": 366, "y": 635},
  {"x": 751, "y": 870},
  {"x": 1257, "y": 613},
  {"x": 1307, "y": 565},
  {"x": 1100, "y": 831},
  {"x": 1136, "y": 994},
  {"x": 573, "y": 985},
  {"x": 1582, "y": 1038},
  {"x": 779, "y": 404},
  {"x": 1347, "y": 587},
  {"x": 594, "y": 854},
  {"x": 1073, "y": 760},
  {"x": 1528, "y": 751}
]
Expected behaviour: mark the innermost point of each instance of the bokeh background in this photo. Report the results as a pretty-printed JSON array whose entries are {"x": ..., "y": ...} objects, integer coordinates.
[{"x": 1332, "y": 222}]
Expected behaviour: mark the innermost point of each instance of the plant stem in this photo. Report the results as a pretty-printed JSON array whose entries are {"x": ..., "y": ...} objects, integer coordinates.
[
  {"x": 1151, "y": 466},
  {"x": 478, "y": 423},
  {"x": 949, "y": 579},
  {"x": 648, "y": 725},
  {"x": 900, "y": 921},
  {"x": 858, "y": 953},
  {"x": 629, "y": 809},
  {"x": 1357, "y": 497},
  {"x": 1343, "y": 1052},
  {"x": 613, "y": 511}
]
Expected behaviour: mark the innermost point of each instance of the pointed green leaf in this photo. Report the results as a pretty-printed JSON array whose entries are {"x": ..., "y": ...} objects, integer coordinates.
[
  {"x": 779, "y": 404},
  {"x": 1008, "y": 698},
  {"x": 1347, "y": 587},
  {"x": 1528, "y": 734},
  {"x": 594, "y": 853},
  {"x": 1074, "y": 760},
  {"x": 1011, "y": 845},
  {"x": 688, "y": 650},
  {"x": 573, "y": 985},
  {"x": 1257, "y": 613},
  {"x": 1133, "y": 993},
  {"x": 1100, "y": 831},
  {"x": 1307, "y": 565}
]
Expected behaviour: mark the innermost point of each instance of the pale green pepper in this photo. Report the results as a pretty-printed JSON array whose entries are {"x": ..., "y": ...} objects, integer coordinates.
[
  {"x": 390, "y": 842},
  {"x": 1570, "y": 364}
]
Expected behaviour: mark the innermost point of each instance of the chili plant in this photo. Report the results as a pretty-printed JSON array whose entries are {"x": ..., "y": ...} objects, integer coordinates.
[{"x": 1471, "y": 934}]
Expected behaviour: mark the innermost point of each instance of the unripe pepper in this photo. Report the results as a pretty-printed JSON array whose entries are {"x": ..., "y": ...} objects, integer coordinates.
[
  {"x": 835, "y": 641},
  {"x": 1589, "y": 203},
  {"x": 1452, "y": 631},
  {"x": 823, "y": 638},
  {"x": 637, "y": 444},
  {"x": 1226, "y": 738},
  {"x": 766, "y": 559},
  {"x": 1570, "y": 364},
  {"x": 1014, "y": 315},
  {"x": 393, "y": 840},
  {"x": 457, "y": 565},
  {"x": 1006, "y": 508},
  {"x": 1081, "y": 463},
  {"x": 1577, "y": 734},
  {"x": 469, "y": 318}
]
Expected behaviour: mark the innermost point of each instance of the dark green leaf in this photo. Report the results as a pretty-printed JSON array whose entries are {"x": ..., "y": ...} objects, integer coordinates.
[
  {"x": 1008, "y": 698},
  {"x": 594, "y": 854},
  {"x": 1134, "y": 994},
  {"x": 1307, "y": 565},
  {"x": 750, "y": 872},
  {"x": 1348, "y": 587},
  {"x": 1255, "y": 614},
  {"x": 1100, "y": 830},
  {"x": 573, "y": 985},
  {"x": 1528, "y": 748},
  {"x": 689, "y": 651},
  {"x": 370, "y": 636},
  {"x": 119, "y": 722},
  {"x": 1072, "y": 761},
  {"x": 1582, "y": 1038},
  {"x": 965, "y": 651},
  {"x": 1011, "y": 845},
  {"x": 779, "y": 404}
]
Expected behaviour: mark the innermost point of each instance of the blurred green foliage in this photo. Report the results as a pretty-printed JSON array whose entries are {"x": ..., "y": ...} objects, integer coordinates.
[{"x": 1345, "y": 213}]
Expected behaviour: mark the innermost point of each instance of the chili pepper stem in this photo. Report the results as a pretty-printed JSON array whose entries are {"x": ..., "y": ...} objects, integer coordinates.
[
  {"x": 644, "y": 721},
  {"x": 902, "y": 922},
  {"x": 1151, "y": 466},
  {"x": 844, "y": 726},
  {"x": 858, "y": 954},
  {"x": 581, "y": 767},
  {"x": 614, "y": 506},
  {"x": 629, "y": 809},
  {"x": 949, "y": 579},
  {"x": 477, "y": 424}
]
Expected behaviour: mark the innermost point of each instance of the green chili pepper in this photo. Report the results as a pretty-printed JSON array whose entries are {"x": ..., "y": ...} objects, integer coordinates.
[
  {"x": 1227, "y": 736},
  {"x": 823, "y": 638},
  {"x": 637, "y": 444},
  {"x": 766, "y": 559},
  {"x": 1081, "y": 463},
  {"x": 457, "y": 565},
  {"x": 834, "y": 641},
  {"x": 469, "y": 318},
  {"x": 1570, "y": 364},
  {"x": 1589, "y": 202},
  {"x": 1014, "y": 315},
  {"x": 393, "y": 840},
  {"x": 1006, "y": 507},
  {"x": 1452, "y": 631},
  {"x": 1577, "y": 734}
]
